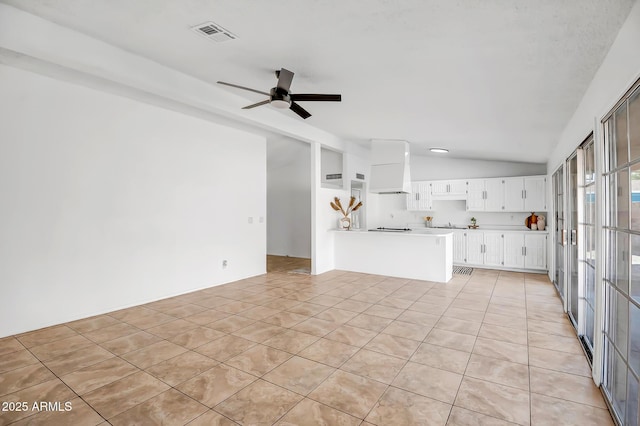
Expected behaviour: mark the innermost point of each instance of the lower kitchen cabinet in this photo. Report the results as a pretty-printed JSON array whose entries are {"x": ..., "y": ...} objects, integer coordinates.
[
  {"x": 525, "y": 251},
  {"x": 480, "y": 248},
  {"x": 459, "y": 247},
  {"x": 535, "y": 251},
  {"x": 493, "y": 249},
  {"x": 509, "y": 250}
]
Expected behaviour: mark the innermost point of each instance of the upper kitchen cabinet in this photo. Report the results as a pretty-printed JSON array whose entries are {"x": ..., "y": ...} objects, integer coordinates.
[
  {"x": 485, "y": 195},
  {"x": 449, "y": 190},
  {"x": 528, "y": 194},
  {"x": 419, "y": 199}
]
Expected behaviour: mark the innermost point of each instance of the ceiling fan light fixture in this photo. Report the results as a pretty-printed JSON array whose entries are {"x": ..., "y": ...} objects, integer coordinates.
[
  {"x": 439, "y": 150},
  {"x": 280, "y": 103}
]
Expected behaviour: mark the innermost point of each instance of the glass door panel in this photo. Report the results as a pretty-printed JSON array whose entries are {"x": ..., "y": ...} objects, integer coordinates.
[
  {"x": 560, "y": 236},
  {"x": 621, "y": 276},
  {"x": 588, "y": 258},
  {"x": 572, "y": 230}
]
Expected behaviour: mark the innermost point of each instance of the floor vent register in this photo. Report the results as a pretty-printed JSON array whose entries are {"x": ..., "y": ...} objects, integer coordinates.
[{"x": 462, "y": 270}]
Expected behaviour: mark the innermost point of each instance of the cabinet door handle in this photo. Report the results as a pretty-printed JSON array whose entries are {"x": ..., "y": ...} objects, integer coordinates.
[
  {"x": 522, "y": 251},
  {"x": 522, "y": 194},
  {"x": 525, "y": 193},
  {"x": 525, "y": 250},
  {"x": 418, "y": 195},
  {"x": 574, "y": 237}
]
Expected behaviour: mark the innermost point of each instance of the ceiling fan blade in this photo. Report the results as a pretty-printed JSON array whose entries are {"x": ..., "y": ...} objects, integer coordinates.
[
  {"x": 258, "y": 104},
  {"x": 284, "y": 79},
  {"x": 299, "y": 110},
  {"x": 301, "y": 97},
  {"x": 244, "y": 88}
]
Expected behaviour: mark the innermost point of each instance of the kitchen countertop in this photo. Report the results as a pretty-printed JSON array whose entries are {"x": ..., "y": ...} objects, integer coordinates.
[{"x": 424, "y": 231}]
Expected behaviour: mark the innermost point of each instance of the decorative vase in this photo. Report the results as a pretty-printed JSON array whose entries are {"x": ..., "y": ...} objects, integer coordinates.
[
  {"x": 541, "y": 223},
  {"x": 345, "y": 223}
]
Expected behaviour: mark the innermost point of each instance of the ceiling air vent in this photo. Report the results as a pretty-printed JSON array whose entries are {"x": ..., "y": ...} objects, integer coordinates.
[{"x": 214, "y": 32}]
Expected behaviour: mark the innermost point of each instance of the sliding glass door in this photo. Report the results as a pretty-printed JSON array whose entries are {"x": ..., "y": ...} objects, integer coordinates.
[
  {"x": 622, "y": 257},
  {"x": 580, "y": 245},
  {"x": 588, "y": 247},
  {"x": 560, "y": 231},
  {"x": 572, "y": 232}
]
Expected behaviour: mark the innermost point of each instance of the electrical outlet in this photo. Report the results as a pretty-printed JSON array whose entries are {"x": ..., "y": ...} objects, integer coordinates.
[
  {"x": 261, "y": 220},
  {"x": 250, "y": 219},
  {"x": 225, "y": 263}
]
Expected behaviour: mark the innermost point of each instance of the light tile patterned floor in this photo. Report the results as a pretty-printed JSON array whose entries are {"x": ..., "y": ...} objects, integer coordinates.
[{"x": 337, "y": 349}]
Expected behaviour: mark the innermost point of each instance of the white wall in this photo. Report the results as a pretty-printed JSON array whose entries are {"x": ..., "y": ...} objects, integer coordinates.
[
  {"x": 288, "y": 198},
  {"x": 619, "y": 70},
  {"x": 109, "y": 202},
  {"x": 441, "y": 167}
]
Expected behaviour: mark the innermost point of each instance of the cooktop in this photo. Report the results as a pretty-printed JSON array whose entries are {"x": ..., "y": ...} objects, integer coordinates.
[{"x": 383, "y": 229}]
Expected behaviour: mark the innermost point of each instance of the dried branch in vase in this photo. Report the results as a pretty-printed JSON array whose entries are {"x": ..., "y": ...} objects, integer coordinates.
[
  {"x": 337, "y": 206},
  {"x": 336, "y": 200}
]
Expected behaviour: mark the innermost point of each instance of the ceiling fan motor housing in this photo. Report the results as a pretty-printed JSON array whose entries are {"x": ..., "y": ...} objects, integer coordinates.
[{"x": 278, "y": 94}]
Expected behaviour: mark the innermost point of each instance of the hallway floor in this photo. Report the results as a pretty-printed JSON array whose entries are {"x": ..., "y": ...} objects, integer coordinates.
[
  {"x": 291, "y": 349},
  {"x": 288, "y": 264}
]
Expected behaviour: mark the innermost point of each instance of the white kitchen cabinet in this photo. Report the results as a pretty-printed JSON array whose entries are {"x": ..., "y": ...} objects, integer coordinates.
[
  {"x": 459, "y": 247},
  {"x": 525, "y": 194},
  {"x": 484, "y": 248},
  {"x": 413, "y": 196},
  {"x": 493, "y": 249},
  {"x": 494, "y": 195},
  {"x": 535, "y": 189},
  {"x": 475, "y": 195},
  {"x": 526, "y": 250},
  {"x": 514, "y": 194},
  {"x": 475, "y": 252},
  {"x": 420, "y": 197},
  {"x": 514, "y": 250},
  {"x": 535, "y": 251},
  {"x": 485, "y": 195},
  {"x": 449, "y": 190}
]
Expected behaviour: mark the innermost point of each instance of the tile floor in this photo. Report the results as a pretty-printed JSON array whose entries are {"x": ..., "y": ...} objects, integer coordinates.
[{"x": 336, "y": 349}]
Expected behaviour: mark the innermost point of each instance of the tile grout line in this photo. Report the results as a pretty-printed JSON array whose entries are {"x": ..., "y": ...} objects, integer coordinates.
[
  {"x": 471, "y": 353},
  {"x": 66, "y": 385}
]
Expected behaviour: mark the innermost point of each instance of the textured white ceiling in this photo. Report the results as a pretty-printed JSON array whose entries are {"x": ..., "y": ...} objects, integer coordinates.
[{"x": 492, "y": 79}]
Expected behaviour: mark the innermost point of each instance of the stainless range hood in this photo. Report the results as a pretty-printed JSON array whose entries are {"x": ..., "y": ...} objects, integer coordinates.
[{"x": 390, "y": 172}]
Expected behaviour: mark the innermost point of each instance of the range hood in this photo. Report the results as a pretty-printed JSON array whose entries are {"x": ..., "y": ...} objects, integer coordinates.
[{"x": 390, "y": 173}]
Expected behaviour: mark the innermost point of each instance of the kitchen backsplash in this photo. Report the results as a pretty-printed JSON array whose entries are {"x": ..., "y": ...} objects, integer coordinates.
[{"x": 390, "y": 210}]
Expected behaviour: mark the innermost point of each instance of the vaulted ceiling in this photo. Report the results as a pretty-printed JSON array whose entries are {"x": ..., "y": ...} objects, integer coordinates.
[{"x": 491, "y": 79}]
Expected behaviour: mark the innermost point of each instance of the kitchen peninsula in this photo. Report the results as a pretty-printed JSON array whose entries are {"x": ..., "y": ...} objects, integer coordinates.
[{"x": 420, "y": 255}]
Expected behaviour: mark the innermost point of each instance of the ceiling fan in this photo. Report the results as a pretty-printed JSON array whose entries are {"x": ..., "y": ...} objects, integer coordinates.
[{"x": 280, "y": 97}]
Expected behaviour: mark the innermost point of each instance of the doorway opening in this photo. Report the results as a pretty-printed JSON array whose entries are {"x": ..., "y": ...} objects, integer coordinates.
[{"x": 288, "y": 206}]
